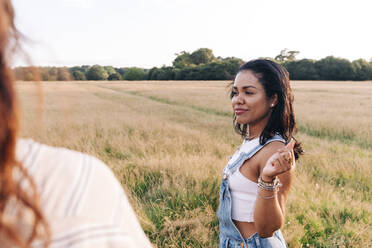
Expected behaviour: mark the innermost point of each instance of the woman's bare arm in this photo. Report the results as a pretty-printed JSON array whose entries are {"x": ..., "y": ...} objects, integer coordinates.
[{"x": 270, "y": 206}]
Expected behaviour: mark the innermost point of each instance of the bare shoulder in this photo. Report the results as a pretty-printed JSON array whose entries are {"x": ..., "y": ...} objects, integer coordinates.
[{"x": 268, "y": 150}]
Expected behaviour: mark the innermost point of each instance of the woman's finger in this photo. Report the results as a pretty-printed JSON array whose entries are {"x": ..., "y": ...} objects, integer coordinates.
[
  {"x": 276, "y": 164},
  {"x": 287, "y": 147},
  {"x": 273, "y": 158},
  {"x": 283, "y": 164},
  {"x": 288, "y": 155},
  {"x": 291, "y": 144}
]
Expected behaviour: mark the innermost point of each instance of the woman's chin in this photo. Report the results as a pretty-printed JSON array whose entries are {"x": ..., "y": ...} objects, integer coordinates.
[{"x": 241, "y": 121}]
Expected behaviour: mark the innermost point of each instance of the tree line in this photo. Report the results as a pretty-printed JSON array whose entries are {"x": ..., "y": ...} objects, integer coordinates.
[{"x": 203, "y": 65}]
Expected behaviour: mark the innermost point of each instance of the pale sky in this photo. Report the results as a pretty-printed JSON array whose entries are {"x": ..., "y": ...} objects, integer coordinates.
[{"x": 148, "y": 33}]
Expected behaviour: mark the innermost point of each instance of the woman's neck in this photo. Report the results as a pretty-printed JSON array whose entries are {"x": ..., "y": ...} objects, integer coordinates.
[
  {"x": 253, "y": 132},
  {"x": 255, "y": 129}
]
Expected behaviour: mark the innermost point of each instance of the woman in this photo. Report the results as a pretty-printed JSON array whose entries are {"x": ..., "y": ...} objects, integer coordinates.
[
  {"x": 54, "y": 197},
  {"x": 257, "y": 179}
]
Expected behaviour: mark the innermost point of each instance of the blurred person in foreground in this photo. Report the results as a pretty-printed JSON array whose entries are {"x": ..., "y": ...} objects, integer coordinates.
[
  {"x": 54, "y": 197},
  {"x": 257, "y": 179}
]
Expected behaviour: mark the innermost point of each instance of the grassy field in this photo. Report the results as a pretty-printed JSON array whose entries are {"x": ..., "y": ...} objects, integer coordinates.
[{"x": 167, "y": 143}]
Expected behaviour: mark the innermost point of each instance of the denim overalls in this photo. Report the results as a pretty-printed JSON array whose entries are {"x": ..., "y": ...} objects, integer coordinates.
[{"x": 229, "y": 234}]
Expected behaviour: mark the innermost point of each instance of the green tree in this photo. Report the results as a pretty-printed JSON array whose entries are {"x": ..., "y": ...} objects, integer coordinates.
[
  {"x": 182, "y": 60},
  {"x": 63, "y": 74},
  {"x": 304, "y": 69},
  {"x": 84, "y": 69},
  {"x": 44, "y": 73},
  {"x": 28, "y": 76},
  {"x": 152, "y": 73},
  {"x": 134, "y": 73},
  {"x": 188, "y": 73},
  {"x": 53, "y": 74},
  {"x": 332, "y": 68},
  {"x": 114, "y": 76},
  {"x": 78, "y": 75},
  {"x": 286, "y": 55},
  {"x": 110, "y": 70},
  {"x": 231, "y": 65},
  {"x": 163, "y": 73},
  {"x": 202, "y": 56},
  {"x": 212, "y": 71},
  {"x": 362, "y": 69},
  {"x": 96, "y": 72}
]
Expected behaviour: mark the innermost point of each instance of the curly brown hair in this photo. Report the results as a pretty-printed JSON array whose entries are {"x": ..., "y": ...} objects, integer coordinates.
[{"x": 24, "y": 199}]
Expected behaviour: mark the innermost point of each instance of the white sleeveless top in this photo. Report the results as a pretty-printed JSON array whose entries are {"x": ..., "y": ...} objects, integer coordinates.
[
  {"x": 243, "y": 197},
  {"x": 243, "y": 191}
]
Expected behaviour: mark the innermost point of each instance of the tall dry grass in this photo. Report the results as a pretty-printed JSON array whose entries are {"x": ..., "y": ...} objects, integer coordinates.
[{"x": 167, "y": 142}]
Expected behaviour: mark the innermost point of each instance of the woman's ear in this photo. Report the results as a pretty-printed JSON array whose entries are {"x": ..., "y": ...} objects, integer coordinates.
[{"x": 274, "y": 100}]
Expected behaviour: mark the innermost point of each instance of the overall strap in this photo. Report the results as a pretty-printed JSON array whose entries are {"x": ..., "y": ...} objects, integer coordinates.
[{"x": 244, "y": 156}]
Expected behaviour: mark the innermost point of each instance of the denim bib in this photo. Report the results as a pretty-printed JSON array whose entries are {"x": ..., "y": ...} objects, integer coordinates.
[{"x": 229, "y": 233}]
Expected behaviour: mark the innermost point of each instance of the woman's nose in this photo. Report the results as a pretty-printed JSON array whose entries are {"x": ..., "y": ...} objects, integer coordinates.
[{"x": 238, "y": 100}]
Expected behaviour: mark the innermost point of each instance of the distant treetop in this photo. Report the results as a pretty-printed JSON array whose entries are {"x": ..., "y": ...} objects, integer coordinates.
[{"x": 202, "y": 64}]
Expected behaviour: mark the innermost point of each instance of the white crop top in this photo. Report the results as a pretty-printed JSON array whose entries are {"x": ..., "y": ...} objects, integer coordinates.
[
  {"x": 243, "y": 197},
  {"x": 243, "y": 191}
]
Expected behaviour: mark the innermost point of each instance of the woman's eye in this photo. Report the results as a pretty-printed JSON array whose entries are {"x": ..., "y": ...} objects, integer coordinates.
[
  {"x": 233, "y": 93},
  {"x": 248, "y": 93}
]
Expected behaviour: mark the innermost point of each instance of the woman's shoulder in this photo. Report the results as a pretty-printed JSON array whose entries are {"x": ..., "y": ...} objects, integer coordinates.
[
  {"x": 65, "y": 176},
  {"x": 271, "y": 146},
  {"x": 79, "y": 195},
  {"x": 274, "y": 143},
  {"x": 34, "y": 156}
]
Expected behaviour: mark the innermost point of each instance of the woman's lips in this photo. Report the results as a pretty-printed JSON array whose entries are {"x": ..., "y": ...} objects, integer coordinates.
[{"x": 240, "y": 111}]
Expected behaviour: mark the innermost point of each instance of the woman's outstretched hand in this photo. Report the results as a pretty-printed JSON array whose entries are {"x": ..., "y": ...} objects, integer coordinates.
[{"x": 281, "y": 161}]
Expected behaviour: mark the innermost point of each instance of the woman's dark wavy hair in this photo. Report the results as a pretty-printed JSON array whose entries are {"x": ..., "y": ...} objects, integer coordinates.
[{"x": 275, "y": 80}]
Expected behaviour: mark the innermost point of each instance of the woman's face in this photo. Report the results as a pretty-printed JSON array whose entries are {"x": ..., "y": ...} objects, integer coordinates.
[{"x": 249, "y": 101}]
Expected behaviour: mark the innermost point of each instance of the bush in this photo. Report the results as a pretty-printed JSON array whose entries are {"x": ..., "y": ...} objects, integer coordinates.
[
  {"x": 134, "y": 73},
  {"x": 114, "y": 76},
  {"x": 78, "y": 75},
  {"x": 97, "y": 72}
]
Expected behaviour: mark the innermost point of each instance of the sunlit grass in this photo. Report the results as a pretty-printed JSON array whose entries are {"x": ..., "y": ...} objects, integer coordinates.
[{"x": 167, "y": 143}]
